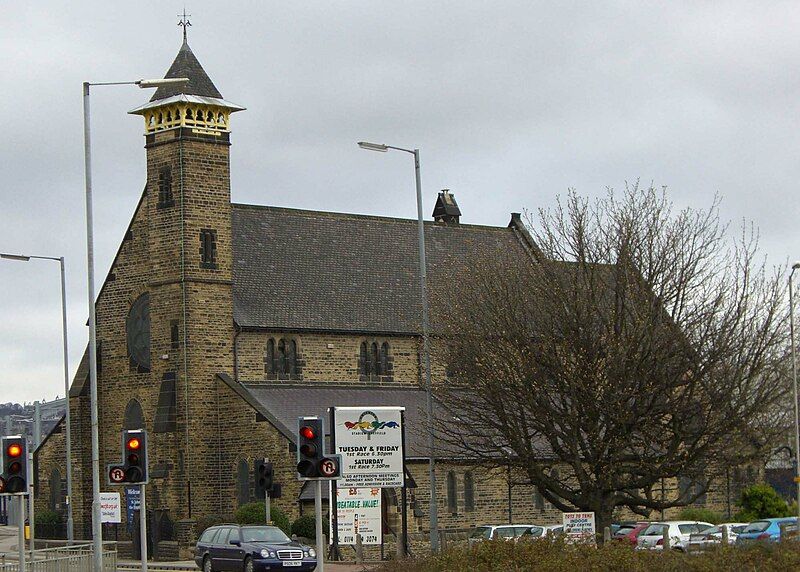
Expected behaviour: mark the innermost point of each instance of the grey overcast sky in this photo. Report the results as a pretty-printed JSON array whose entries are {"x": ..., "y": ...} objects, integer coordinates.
[{"x": 510, "y": 103}]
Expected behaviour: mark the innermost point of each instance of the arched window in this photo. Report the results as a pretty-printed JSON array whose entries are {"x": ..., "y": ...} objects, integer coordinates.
[
  {"x": 373, "y": 359},
  {"x": 55, "y": 491},
  {"x": 362, "y": 360},
  {"x": 555, "y": 475},
  {"x": 469, "y": 492},
  {"x": 134, "y": 418},
  {"x": 538, "y": 499},
  {"x": 243, "y": 482},
  {"x": 137, "y": 334},
  {"x": 384, "y": 358},
  {"x": 452, "y": 500},
  {"x": 282, "y": 360},
  {"x": 291, "y": 357},
  {"x": 269, "y": 357},
  {"x": 281, "y": 356}
]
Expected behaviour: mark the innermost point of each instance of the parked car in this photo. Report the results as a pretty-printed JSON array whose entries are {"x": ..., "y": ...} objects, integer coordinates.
[
  {"x": 499, "y": 531},
  {"x": 765, "y": 530},
  {"x": 628, "y": 532},
  {"x": 532, "y": 532},
  {"x": 679, "y": 531},
  {"x": 251, "y": 549},
  {"x": 713, "y": 536},
  {"x": 554, "y": 530}
]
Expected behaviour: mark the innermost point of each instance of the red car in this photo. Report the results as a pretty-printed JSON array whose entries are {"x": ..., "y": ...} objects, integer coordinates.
[{"x": 629, "y": 532}]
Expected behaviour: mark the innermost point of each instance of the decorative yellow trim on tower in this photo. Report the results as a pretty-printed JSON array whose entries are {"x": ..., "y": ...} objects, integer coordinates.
[{"x": 211, "y": 118}]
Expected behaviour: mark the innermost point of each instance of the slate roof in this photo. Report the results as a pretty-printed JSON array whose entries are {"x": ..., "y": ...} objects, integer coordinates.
[
  {"x": 320, "y": 271},
  {"x": 186, "y": 64},
  {"x": 284, "y": 403}
]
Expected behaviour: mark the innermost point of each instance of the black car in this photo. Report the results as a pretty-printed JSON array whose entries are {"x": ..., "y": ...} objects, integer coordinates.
[{"x": 251, "y": 548}]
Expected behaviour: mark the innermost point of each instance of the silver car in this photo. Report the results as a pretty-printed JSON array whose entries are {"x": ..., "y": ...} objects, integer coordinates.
[
  {"x": 500, "y": 531},
  {"x": 712, "y": 536},
  {"x": 679, "y": 531}
]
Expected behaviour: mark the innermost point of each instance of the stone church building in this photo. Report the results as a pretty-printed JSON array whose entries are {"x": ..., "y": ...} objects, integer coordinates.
[
  {"x": 214, "y": 334},
  {"x": 219, "y": 323}
]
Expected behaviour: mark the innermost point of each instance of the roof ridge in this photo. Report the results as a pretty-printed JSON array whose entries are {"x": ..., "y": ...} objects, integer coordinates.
[{"x": 359, "y": 216}]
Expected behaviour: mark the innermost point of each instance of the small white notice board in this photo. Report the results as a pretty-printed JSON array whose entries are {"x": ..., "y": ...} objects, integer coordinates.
[
  {"x": 110, "y": 508},
  {"x": 579, "y": 526}
]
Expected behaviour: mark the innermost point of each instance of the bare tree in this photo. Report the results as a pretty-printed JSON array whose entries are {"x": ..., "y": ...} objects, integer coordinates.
[{"x": 634, "y": 344}]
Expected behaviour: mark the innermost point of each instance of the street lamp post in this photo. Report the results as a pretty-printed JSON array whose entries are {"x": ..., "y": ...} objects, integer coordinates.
[
  {"x": 795, "y": 266},
  {"x": 434, "y": 537},
  {"x": 97, "y": 527},
  {"x": 60, "y": 260}
]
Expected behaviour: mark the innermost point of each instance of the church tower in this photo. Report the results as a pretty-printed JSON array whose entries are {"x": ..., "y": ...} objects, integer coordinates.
[{"x": 189, "y": 285}]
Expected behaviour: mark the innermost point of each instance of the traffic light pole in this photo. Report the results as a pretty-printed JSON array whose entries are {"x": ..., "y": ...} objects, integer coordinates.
[
  {"x": 143, "y": 526},
  {"x": 21, "y": 533},
  {"x": 267, "y": 508},
  {"x": 318, "y": 523},
  {"x": 31, "y": 503}
]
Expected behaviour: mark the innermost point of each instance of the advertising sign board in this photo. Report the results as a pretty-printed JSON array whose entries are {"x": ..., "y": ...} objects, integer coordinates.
[
  {"x": 358, "y": 511},
  {"x": 132, "y": 497},
  {"x": 579, "y": 526},
  {"x": 370, "y": 441}
]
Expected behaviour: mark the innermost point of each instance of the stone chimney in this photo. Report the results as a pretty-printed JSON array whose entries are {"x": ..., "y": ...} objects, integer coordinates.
[{"x": 446, "y": 210}]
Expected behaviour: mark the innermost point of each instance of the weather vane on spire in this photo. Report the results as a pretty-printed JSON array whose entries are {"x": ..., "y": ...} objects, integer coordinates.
[{"x": 184, "y": 23}]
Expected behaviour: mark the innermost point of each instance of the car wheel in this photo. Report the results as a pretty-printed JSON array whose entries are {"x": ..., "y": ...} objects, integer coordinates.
[
  {"x": 248, "y": 564},
  {"x": 207, "y": 564}
]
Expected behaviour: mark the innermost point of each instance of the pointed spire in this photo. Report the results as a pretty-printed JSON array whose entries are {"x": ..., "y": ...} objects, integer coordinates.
[{"x": 187, "y": 65}]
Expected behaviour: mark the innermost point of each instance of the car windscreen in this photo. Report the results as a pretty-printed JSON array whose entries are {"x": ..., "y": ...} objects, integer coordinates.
[
  {"x": 533, "y": 531},
  {"x": 713, "y": 530},
  {"x": 481, "y": 532},
  {"x": 688, "y": 528},
  {"x": 624, "y": 530},
  {"x": 738, "y": 529},
  {"x": 757, "y": 526},
  {"x": 264, "y": 534},
  {"x": 654, "y": 530}
]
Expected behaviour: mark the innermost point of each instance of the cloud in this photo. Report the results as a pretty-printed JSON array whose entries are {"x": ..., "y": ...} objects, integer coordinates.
[{"x": 510, "y": 103}]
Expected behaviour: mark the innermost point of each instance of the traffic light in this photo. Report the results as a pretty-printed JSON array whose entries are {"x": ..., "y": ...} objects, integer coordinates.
[
  {"x": 310, "y": 446},
  {"x": 14, "y": 479},
  {"x": 263, "y": 476},
  {"x": 312, "y": 462},
  {"x": 134, "y": 456}
]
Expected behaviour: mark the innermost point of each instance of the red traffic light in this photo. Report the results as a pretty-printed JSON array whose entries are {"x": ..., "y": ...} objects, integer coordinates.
[
  {"x": 134, "y": 443},
  {"x": 307, "y": 432},
  {"x": 14, "y": 450}
]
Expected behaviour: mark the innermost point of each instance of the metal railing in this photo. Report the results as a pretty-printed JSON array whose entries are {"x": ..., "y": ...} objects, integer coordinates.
[{"x": 76, "y": 558}]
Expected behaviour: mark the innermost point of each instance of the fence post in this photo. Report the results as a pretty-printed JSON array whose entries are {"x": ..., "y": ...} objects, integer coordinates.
[
  {"x": 725, "y": 535},
  {"x": 665, "y": 537},
  {"x": 359, "y": 549},
  {"x": 606, "y": 534}
]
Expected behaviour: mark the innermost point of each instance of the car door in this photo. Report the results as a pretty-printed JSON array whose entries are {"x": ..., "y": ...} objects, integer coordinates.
[
  {"x": 235, "y": 552},
  {"x": 221, "y": 552}
]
